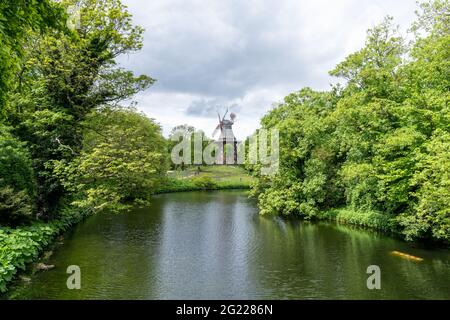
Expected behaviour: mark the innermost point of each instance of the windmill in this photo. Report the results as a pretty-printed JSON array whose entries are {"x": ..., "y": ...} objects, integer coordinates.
[{"x": 226, "y": 138}]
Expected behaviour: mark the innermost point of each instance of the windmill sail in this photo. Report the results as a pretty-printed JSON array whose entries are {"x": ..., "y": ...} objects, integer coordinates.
[
  {"x": 216, "y": 130},
  {"x": 224, "y": 115},
  {"x": 219, "y": 126}
]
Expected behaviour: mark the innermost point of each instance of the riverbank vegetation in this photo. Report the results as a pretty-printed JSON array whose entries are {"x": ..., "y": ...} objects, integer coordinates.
[
  {"x": 378, "y": 143},
  {"x": 69, "y": 144}
]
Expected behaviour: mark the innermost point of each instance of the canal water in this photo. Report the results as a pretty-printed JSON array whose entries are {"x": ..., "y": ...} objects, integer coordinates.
[{"x": 215, "y": 245}]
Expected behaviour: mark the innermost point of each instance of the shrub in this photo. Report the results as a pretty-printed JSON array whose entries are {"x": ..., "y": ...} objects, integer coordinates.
[
  {"x": 22, "y": 245},
  {"x": 205, "y": 183},
  {"x": 15, "y": 207},
  {"x": 15, "y": 163},
  {"x": 17, "y": 183},
  {"x": 366, "y": 219}
]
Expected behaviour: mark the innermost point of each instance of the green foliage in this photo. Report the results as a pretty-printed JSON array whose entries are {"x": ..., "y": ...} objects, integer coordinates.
[
  {"x": 21, "y": 246},
  {"x": 372, "y": 68},
  {"x": 76, "y": 72},
  {"x": 62, "y": 78},
  {"x": 48, "y": 134},
  {"x": 67, "y": 137},
  {"x": 204, "y": 183},
  {"x": 366, "y": 219},
  {"x": 122, "y": 161},
  {"x": 15, "y": 163},
  {"x": 17, "y": 184},
  {"x": 380, "y": 143},
  {"x": 432, "y": 191},
  {"x": 191, "y": 135},
  {"x": 308, "y": 157},
  {"x": 16, "y": 18},
  {"x": 15, "y": 206},
  {"x": 170, "y": 185}
]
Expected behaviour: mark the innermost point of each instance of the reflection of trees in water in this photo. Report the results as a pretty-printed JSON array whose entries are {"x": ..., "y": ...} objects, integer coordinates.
[
  {"x": 309, "y": 260},
  {"x": 214, "y": 244}
]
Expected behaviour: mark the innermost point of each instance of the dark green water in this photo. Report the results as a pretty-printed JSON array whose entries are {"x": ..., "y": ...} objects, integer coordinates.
[{"x": 216, "y": 246}]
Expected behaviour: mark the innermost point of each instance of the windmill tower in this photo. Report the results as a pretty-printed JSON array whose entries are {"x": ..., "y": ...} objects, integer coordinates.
[{"x": 226, "y": 155}]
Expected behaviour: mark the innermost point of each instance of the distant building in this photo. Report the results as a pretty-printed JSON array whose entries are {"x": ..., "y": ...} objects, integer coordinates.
[{"x": 227, "y": 143}]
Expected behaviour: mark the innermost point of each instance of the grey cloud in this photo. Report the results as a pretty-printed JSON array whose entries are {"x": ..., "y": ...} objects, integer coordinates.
[
  {"x": 247, "y": 54},
  {"x": 208, "y": 108},
  {"x": 223, "y": 50},
  {"x": 228, "y": 48}
]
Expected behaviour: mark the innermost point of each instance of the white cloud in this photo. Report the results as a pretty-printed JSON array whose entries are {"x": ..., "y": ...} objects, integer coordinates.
[{"x": 246, "y": 54}]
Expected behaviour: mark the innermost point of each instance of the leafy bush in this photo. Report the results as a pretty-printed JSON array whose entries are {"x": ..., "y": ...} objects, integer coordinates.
[
  {"x": 21, "y": 246},
  {"x": 431, "y": 214},
  {"x": 15, "y": 163},
  {"x": 17, "y": 184},
  {"x": 204, "y": 183},
  {"x": 121, "y": 165},
  {"x": 367, "y": 219},
  {"x": 15, "y": 207}
]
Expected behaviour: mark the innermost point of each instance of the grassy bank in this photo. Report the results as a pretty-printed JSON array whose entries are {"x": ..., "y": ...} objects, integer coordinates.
[
  {"x": 378, "y": 221},
  {"x": 366, "y": 219},
  {"x": 23, "y": 245},
  {"x": 207, "y": 178}
]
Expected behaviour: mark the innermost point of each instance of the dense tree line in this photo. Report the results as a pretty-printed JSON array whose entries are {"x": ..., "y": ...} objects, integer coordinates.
[
  {"x": 195, "y": 141},
  {"x": 64, "y": 136},
  {"x": 380, "y": 140}
]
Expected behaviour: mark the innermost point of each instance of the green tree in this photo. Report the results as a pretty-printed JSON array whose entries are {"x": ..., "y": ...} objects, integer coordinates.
[
  {"x": 380, "y": 141},
  {"x": 184, "y": 131},
  {"x": 16, "y": 18},
  {"x": 123, "y": 160},
  {"x": 17, "y": 184},
  {"x": 63, "y": 78}
]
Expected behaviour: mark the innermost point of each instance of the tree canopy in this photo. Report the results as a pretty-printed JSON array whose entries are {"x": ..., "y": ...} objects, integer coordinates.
[
  {"x": 65, "y": 92},
  {"x": 379, "y": 141},
  {"x": 16, "y": 19}
]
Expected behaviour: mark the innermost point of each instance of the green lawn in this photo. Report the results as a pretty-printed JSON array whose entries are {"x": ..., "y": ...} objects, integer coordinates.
[{"x": 208, "y": 178}]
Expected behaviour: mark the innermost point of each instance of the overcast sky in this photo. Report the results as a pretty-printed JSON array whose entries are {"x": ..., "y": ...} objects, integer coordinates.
[{"x": 245, "y": 55}]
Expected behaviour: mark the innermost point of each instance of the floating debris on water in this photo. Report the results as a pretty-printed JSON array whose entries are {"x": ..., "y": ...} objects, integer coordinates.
[
  {"x": 406, "y": 256},
  {"x": 44, "y": 267},
  {"x": 47, "y": 255}
]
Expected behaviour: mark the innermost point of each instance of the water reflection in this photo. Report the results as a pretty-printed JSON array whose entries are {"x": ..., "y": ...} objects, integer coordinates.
[{"x": 216, "y": 246}]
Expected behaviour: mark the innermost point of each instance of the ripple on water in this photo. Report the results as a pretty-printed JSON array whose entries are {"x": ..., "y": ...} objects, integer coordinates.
[{"x": 214, "y": 245}]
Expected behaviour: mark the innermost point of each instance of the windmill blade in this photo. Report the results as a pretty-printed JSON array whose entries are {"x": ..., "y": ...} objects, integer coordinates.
[
  {"x": 217, "y": 130},
  {"x": 225, "y": 115},
  {"x": 220, "y": 121}
]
